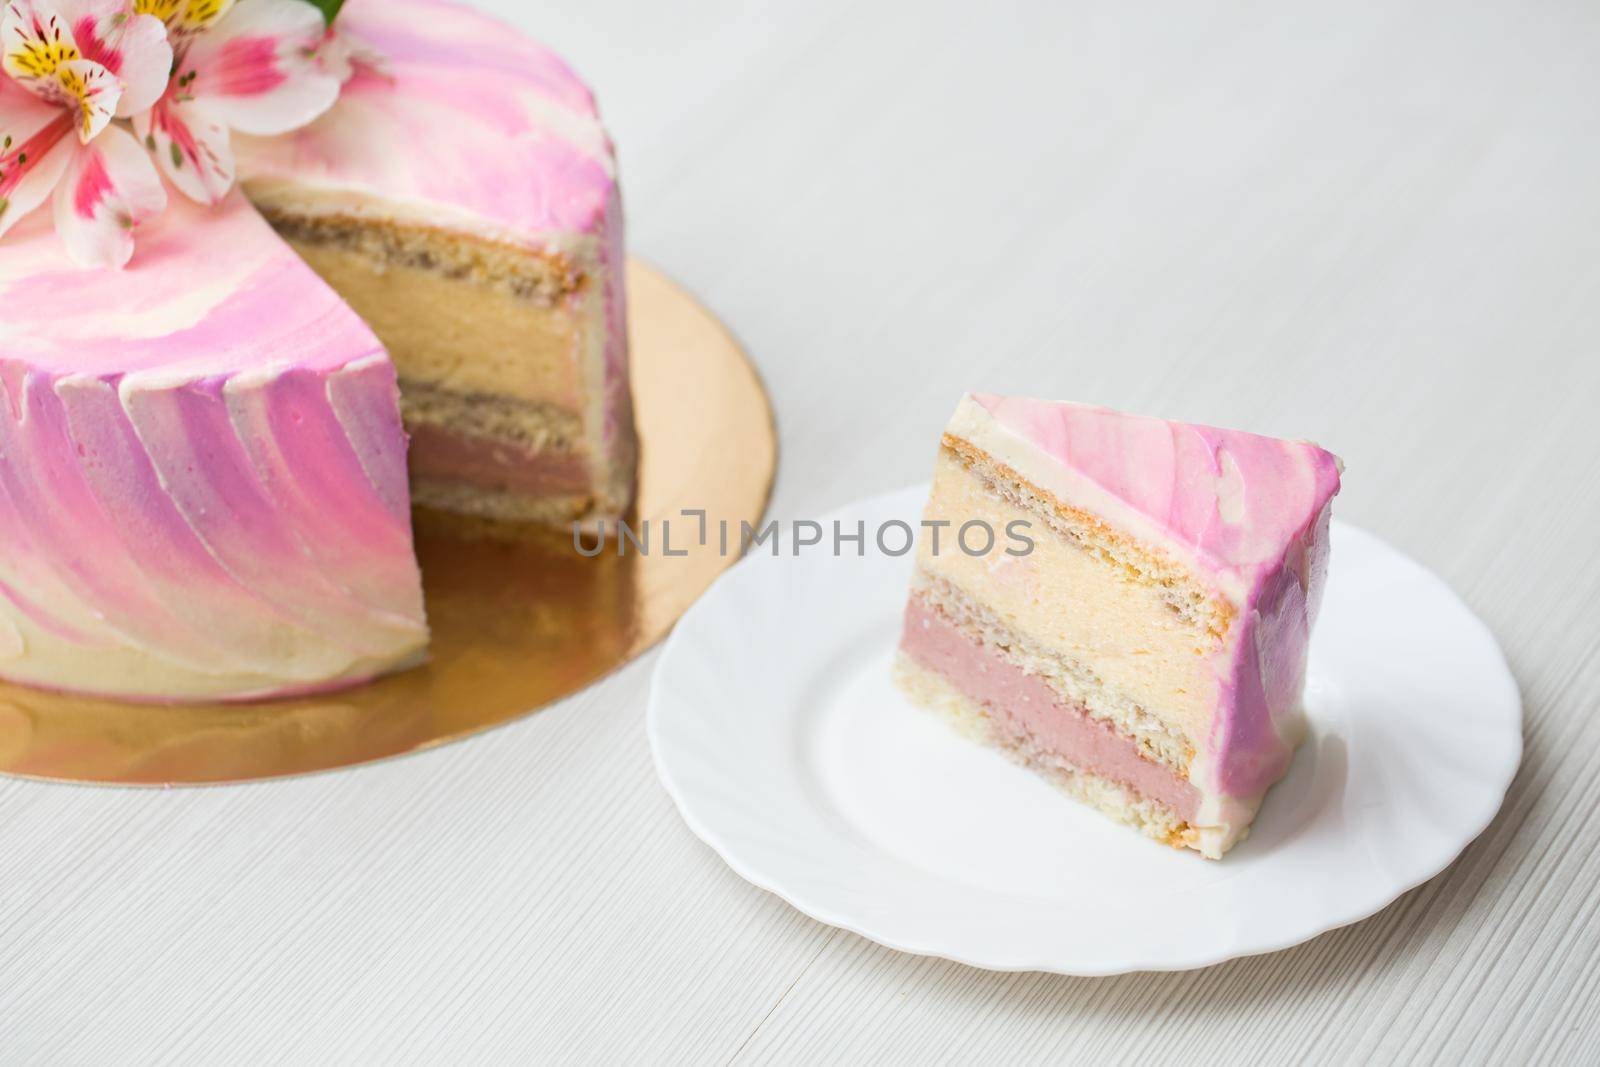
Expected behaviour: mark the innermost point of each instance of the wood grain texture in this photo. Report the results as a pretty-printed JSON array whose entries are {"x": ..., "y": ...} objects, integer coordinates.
[{"x": 1375, "y": 225}]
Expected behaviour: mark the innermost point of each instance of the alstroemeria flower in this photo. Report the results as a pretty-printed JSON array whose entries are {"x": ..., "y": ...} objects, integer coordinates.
[
  {"x": 74, "y": 65},
  {"x": 250, "y": 66}
]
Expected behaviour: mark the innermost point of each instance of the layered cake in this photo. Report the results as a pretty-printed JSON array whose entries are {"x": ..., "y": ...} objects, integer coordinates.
[
  {"x": 204, "y": 487},
  {"x": 1137, "y": 631},
  {"x": 461, "y": 196}
]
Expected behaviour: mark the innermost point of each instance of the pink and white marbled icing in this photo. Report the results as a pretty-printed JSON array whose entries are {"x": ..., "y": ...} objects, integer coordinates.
[
  {"x": 1245, "y": 514},
  {"x": 202, "y": 471},
  {"x": 465, "y": 113}
]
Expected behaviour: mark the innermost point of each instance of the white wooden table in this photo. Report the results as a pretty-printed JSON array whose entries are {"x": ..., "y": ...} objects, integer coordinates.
[{"x": 1376, "y": 225}]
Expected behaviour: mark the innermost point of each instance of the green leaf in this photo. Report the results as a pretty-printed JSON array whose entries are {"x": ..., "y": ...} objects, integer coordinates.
[{"x": 329, "y": 9}]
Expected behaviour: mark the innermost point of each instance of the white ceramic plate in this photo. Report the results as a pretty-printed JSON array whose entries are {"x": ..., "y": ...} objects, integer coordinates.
[{"x": 778, "y": 732}]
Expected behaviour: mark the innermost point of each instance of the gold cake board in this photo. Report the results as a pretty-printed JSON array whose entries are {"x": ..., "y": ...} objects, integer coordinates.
[{"x": 515, "y": 626}]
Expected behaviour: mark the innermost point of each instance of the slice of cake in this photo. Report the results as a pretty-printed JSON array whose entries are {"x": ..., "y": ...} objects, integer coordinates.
[{"x": 1138, "y": 630}]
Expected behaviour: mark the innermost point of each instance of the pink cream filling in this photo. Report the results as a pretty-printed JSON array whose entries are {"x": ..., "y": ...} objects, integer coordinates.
[
  {"x": 1024, "y": 707},
  {"x": 437, "y": 453}
]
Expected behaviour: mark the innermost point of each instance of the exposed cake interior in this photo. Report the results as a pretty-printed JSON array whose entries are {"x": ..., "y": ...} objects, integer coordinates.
[
  {"x": 1122, "y": 663},
  {"x": 1061, "y": 653},
  {"x": 462, "y": 197},
  {"x": 934, "y": 689},
  {"x": 1028, "y": 705},
  {"x": 501, "y": 353}
]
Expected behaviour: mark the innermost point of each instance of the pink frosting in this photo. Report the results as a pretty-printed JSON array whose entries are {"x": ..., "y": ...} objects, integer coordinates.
[
  {"x": 210, "y": 291},
  {"x": 466, "y": 112},
  {"x": 438, "y": 453},
  {"x": 1247, "y": 514},
  {"x": 201, "y": 465},
  {"x": 1024, "y": 707},
  {"x": 1233, "y": 500}
]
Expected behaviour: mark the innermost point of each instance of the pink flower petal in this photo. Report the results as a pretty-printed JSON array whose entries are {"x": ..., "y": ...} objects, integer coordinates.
[
  {"x": 35, "y": 147},
  {"x": 190, "y": 146},
  {"x": 257, "y": 69},
  {"x": 133, "y": 47},
  {"x": 110, "y": 187}
]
